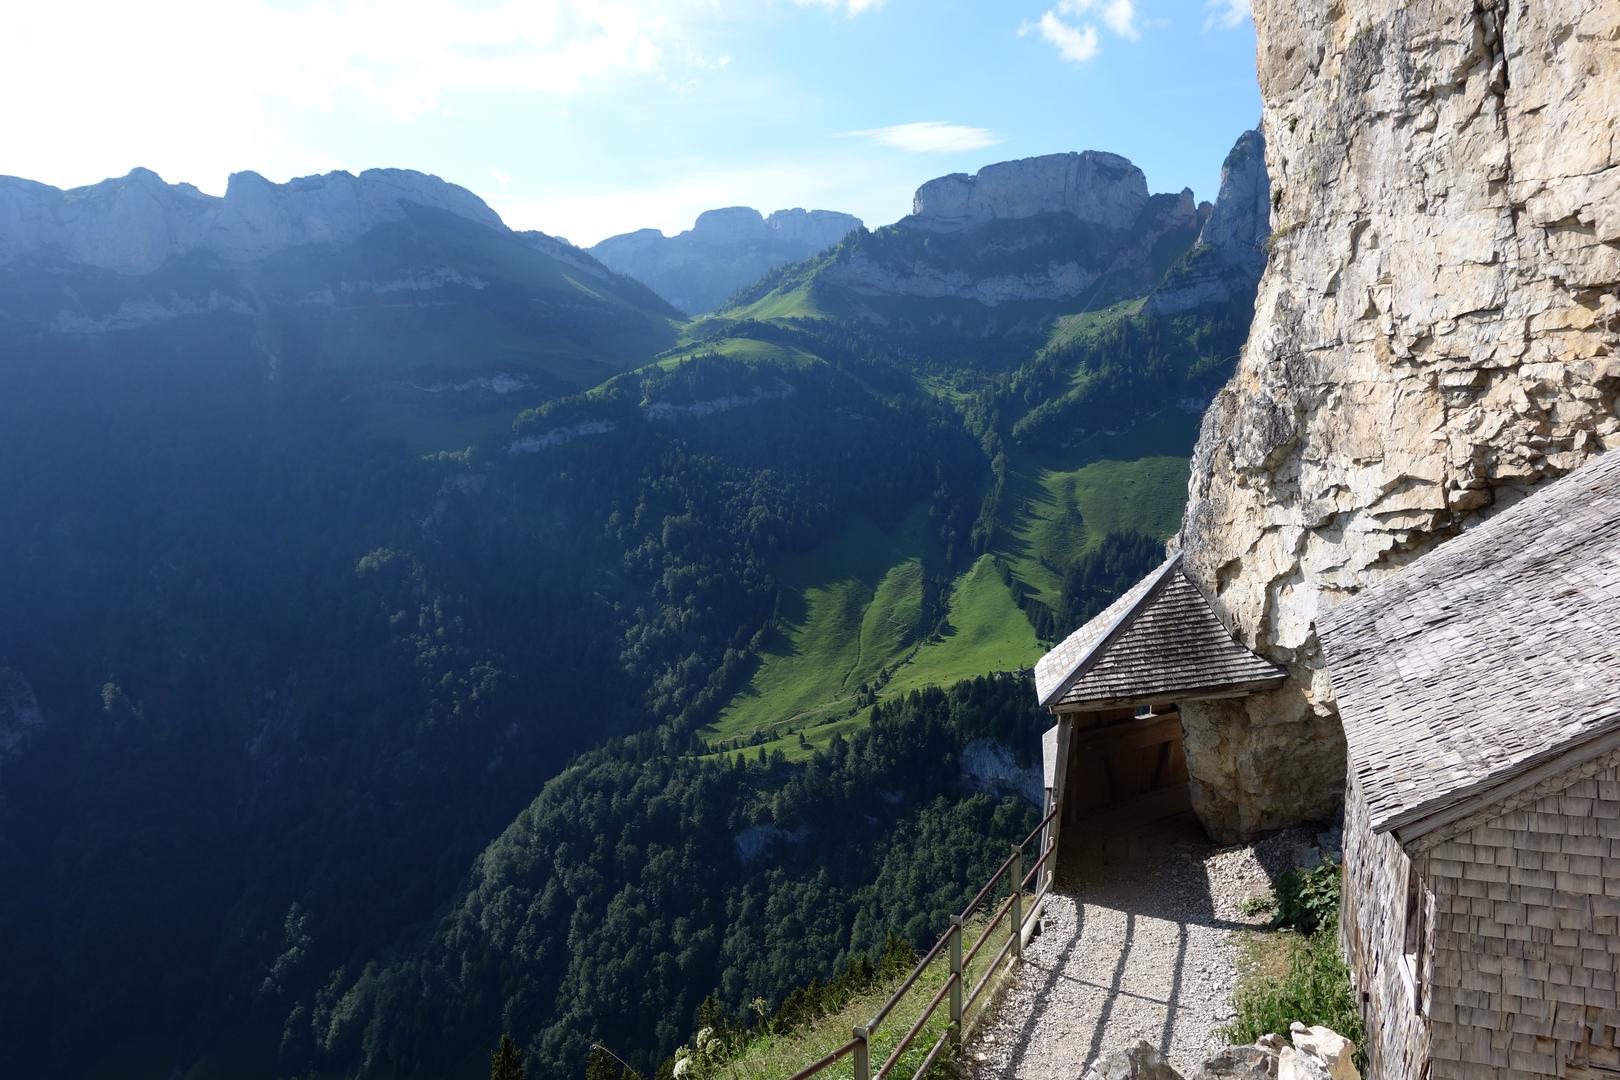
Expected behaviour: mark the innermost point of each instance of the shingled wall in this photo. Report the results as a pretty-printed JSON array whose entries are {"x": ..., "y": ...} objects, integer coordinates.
[
  {"x": 1373, "y": 928},
  {"x": 1525, "y": 938}
]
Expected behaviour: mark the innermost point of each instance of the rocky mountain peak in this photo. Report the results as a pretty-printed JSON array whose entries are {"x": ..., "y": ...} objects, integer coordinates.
[
  {"x": 1097, "y": 187},
  {"x": 724, "y": 250},
  {"x": 728, "y": 224},
  {"x": 134, "y": 223},
  {"x": 1240, "y": 220}
]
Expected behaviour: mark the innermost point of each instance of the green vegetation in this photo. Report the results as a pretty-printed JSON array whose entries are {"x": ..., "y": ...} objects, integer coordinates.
[
  {"x": 983, "y": 632},
  {"x": 1296, "y": 971},
  {"x": 514, "y": 658},
  {"x": 506, "y": 1063},
  {"x": 817, "y": 1022},
  {"x": 1308, "y": 899},
  {"x": 1285, "y": 977}
]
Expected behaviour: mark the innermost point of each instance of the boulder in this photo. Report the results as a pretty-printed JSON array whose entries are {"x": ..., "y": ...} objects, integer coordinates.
[
  {"x": 1336, "y": 1053},
  {"x": 1139, "y": 1061},
  {"x": 1294, "y": 1065},
  {"x": 1241, "y": 1063}
]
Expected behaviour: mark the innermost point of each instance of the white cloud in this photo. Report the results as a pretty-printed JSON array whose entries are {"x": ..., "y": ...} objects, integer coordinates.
[
  {"x": 930, "y": 137},
  {"x": 1118, "y": 15},
  {"x": 199, "y": 85},
  {"x": 1227, "y": 13},
  {"x": 853, "y": 7},
  {"x": 500, "y": 177},
  {"x": 1076, "y": 44}
]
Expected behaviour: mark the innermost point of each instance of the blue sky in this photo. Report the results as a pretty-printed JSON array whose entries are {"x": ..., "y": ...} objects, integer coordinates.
[{"x": 588, "y": 117}]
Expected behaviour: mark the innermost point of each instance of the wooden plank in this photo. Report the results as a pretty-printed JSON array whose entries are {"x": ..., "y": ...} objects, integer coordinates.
[{"x": 1135, "y": 735}]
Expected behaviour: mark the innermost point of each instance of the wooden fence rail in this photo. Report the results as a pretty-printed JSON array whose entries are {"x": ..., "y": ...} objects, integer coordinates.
[{"x": 950, "y": 995}]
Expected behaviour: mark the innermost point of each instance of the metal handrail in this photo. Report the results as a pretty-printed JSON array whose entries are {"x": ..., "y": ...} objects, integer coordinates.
[
  {"x": 933, "y": 1055},
  {"x": 1001, "y": 913},
  {"x": 826, "y": 1062},
  {"x": 916, "y": 1029},
  {"x": 989, "y": 885},
  {"x": 860, "y": 1045},
  {"x": 990, "y": 969},
  {"x": 911, "y": 980}
]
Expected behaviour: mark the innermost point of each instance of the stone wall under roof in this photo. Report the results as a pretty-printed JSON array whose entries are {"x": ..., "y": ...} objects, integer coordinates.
[{"x": 1437, "y": 331}]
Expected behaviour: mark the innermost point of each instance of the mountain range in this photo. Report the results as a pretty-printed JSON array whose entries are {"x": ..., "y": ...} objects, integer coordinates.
[
  {"x": 422, "y": 630},
  {"x": 724, "y": 250}
]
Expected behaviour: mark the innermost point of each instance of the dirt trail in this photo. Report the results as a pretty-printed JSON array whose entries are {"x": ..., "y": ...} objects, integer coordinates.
[{"x": 1145, "y": 949}]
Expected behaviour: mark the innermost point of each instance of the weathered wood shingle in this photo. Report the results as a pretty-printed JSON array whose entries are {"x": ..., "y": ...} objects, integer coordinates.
[
  {"x": 1496, "y": 651},
  {"x": 1159, "y": 639}
]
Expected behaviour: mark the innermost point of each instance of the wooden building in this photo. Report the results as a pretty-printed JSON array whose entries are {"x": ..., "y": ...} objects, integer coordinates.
[
  {"x": 1115, "y": 758},
  {"x": 1479, "y": 688}
]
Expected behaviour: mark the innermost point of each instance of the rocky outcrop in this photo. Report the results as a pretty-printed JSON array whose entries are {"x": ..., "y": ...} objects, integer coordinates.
[
  {"x": 136, "y": 223},
  {"x": 724, "y": 250},
  {"x": 1226, "y": 263},
  {"x": 1315, "y": 1053},
  {"x": 1435, "y": 332},
  {"x": 1079, "y": 229},
  {"x": 1103, "y": 189}
]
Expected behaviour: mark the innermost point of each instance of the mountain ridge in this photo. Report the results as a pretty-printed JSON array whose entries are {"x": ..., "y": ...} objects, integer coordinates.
[{"x": 725, "y": 249}]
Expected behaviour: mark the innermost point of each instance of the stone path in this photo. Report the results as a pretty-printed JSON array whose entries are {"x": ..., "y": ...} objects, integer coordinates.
[{"x": 1144, "y": 949}]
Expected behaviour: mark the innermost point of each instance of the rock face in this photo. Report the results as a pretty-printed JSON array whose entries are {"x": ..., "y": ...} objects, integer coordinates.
[
  {"x": 1104, "y": 189},
  {"x": 1435, "y": 332},
  {"x": 1231, "y": 250},
  {"x": 136, "y": 223},
  {"x": 724, "y": 250},
  {"x": 1070, "y": 228}
]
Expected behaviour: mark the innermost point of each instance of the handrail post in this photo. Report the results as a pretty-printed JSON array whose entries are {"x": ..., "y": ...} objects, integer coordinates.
[
  {"x": 863, "y": 1053},
  {"x": 1018, "y": 902},
  {"x": 956, "y": 980}
]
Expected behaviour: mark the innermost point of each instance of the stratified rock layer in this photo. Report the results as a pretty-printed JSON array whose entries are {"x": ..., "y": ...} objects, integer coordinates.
[
  {"x": 1435, "y": 332},
  {"x": 1097, "y": 187}
]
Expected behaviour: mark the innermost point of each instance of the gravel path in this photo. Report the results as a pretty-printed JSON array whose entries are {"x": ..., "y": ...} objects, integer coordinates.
[{"x": 1143, "y": 949}]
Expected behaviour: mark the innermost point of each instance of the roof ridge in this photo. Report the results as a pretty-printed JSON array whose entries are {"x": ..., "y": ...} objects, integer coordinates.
[{"x": 1121, "y": 623}]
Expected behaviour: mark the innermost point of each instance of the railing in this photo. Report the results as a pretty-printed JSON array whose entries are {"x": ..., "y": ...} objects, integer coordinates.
[{"x": 950, "y": 994}]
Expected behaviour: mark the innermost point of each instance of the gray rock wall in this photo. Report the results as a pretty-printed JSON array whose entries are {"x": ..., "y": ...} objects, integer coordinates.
[
  {"x": 1098, "y": 187},
  {"x": 1435, "y": 331}
]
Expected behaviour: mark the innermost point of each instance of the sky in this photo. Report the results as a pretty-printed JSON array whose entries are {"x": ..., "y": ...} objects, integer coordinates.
[{"x": 585, "y": 118}]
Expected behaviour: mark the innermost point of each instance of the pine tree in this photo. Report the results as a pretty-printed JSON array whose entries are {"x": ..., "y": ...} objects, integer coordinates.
[{"x": 506, "y": 1063}]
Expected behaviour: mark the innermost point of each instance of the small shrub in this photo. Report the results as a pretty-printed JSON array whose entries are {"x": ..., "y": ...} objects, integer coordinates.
[
  {"x": 1257, "y": 905},
  {"x": 1308, "y": 899},
  {"x": 1315, "y": 990}
]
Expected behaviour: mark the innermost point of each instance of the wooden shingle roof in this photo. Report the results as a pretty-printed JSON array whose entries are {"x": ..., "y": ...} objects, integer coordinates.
[
  {"x": 1486, "y": 657},
  {"x": 1159, "y": 640}
]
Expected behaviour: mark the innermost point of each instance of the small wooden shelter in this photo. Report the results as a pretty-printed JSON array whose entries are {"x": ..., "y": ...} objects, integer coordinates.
[
  {"x": 1115, "y": 757},
  {"x": 1479, "y": 688}
]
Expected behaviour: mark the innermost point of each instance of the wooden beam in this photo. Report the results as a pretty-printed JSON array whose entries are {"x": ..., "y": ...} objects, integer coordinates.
[
  {"x": 1131, "y": 735},
  {"x": 1060, "y": 785}
]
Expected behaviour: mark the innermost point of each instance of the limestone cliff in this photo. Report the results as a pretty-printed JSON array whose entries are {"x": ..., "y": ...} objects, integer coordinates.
[
  {"x": 1096, "y": 187},
  {"x": 1435, "y": 332},
  {"x": 725, "y": 249},
  {"x": 135, "y": 223}
]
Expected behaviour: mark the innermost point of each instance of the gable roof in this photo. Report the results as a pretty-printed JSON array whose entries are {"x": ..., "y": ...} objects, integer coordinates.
[
  {"x": 1159, "y": 639},
  {"x": 1488, "y": 656}
]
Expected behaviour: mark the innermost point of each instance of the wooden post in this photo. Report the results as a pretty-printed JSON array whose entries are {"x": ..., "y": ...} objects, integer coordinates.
[
  {"x": 863, "y": 1054},
  {"x": 1018, "y": 902},
  {"x": 956, "y": 980},
  {"x": 1060, "y": 782}
]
